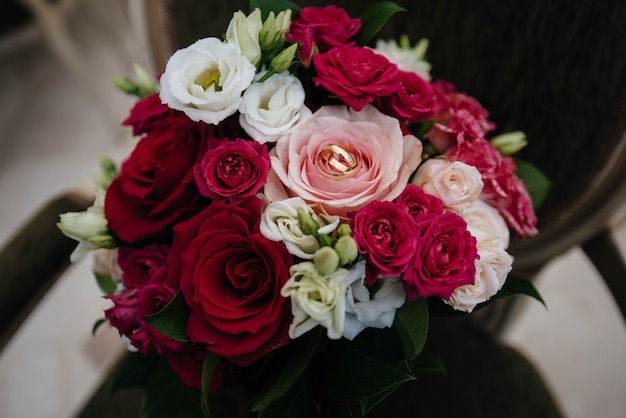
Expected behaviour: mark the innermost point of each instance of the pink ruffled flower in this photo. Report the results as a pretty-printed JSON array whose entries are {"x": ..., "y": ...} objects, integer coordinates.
[
  {"x": 444, "y": 257},
  {"x": 385, "y": 235},
  {"x": 318, "y": 29},
  {"x": 233, "y": 170},
  {"x": 356, "y": 75}
]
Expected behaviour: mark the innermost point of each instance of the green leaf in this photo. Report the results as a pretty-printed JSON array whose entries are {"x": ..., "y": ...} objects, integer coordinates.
[
  {"x": 518, "y": 286},
  {"x": 134, "y": 370},
  {"x": 363, "y": 368},
  {"x": 375, "y": 17},
  {"x": 429, "y": 360},
  {"x": 411, "y": 324},
  {"x": 166, "y": 396},
  {"x": 286, "y": 370},
  {"x": 97, "y": 325},
  {"x": 276, "y": 6},
  {"x": 171, "y": 321},
  {"x": 208, "y": 366},
  {"x": 341, "y": 409},
  {"x": 106, "y": 283},
  {"x": 297, "y": 402},
  {"x": 535, "y": 181}
]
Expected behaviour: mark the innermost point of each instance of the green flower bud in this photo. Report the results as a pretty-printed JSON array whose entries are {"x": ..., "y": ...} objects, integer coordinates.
[
  {"x": 347, "y": 250},
  {"x": 283, "y": 60},
  {"x": 103, "y": 241},
  {"x": 326, "y": 260},
  {"x": 509, "y": 143},
  {"x": 82, "y": 225},
  {"x": 308, "y": 225},
  {"x": 344, "y": 230},
  {"x": 272, "y": 35},
  {"x": 109, "y": 172},
  {"x": 144, "y": 85}
]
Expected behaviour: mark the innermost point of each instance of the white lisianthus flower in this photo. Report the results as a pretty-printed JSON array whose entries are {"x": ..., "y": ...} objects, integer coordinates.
[
  {"x": 364, "y": 310},
  {"x": 316, "y": 299},
  {"x": 206, "y": 80},
  {"x": 457, "y": 184},
  {"x": 407, "y": 58},
  {"x": 244, "y": 32},
  {"x": 279, "y": 222},
  {"x": 271, "y": 108},
  {"x": 491, "y": 271},
  {"x": 89, "y": 228},
  {"x": 486, "y": 224}
]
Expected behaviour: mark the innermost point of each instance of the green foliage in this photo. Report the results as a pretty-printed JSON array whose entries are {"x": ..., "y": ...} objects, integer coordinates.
[
  {"x": 276, "y": 6},
  {"x": 411, "y": 324},
  {"x": 106, "y": 283},
  {"x": 171, "y": 321},
  {"x": 375, "y": 17},
  {"x": 535, "y": 181}
]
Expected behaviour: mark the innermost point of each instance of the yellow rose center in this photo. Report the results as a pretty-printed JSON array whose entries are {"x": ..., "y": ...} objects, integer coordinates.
[
  {"x": 209, "y": 77},
  {"x": 339, "y": 161}
]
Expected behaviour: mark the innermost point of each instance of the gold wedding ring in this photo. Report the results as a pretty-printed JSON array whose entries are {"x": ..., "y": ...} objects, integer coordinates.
[{"x": 338, "y": 161}]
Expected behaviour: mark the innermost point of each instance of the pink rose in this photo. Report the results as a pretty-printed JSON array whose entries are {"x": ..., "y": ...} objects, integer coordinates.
[
  {"x": 356, "y": 75},
  {"x": 318, "y": 29},
  {"x": 233, "y": 170},
  {"x": 444, "y": 258},
  {"x": 143, "y": 265},
  {"x": 345, "y": 159},
  {"x": 413, "y": 102},
  {"x": 417, "y": 202},
  {"x": 385, "y": 235}
]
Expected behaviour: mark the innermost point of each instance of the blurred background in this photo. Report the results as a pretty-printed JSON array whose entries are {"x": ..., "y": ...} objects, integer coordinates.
[{"x": 59, "y": 112}]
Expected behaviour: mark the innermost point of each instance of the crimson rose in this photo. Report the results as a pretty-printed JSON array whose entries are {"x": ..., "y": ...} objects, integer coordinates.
[
  {"x": 151, "y": 299},
  {"x": 418, "y": 203},
  {"x": 318, "y": 29},
  {"x": 413, "y": 102},
  {"x": 147, "y": 113},
  {"x": 356, "y": 75},
  {"x": 231, "y": 277},
  {"x": 444, "y": 257},
  {"x": 155, "y": 188},
  {"x": 143, "y": 265},
  {"x": 385, "y": 235},
  {"x": 233, "y": 170}
]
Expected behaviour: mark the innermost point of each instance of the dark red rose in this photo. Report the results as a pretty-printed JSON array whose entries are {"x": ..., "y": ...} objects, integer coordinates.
[
  {"x": 444, "y": 258},
  {"x": 156, "y": 187},
  {"x": 123, "y": 315},
  {"x": 143, "y": 265},
  {"x": 231, "y": 277},
  {"x": 413, "y": 102},
  {"x": 146, "y": 113},
  {"x": 151, "y": 299},
  {"x": 417, "y": 202},
  {"x": 385, "y": 235},
  {"x": 356, "y": 75},
  {"x": 233, "y": 170},
  {"x": 318, "y": 29},
  {"x": 187, "y": 364}
]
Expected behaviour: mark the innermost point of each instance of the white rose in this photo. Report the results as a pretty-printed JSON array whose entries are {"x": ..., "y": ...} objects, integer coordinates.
[
  {"x": 486, "y": 224},
  {"x": 279, "y": 222},
  {"x": 407, "y": 58},
  {"x": 457, "y": 184},
  {"x": 491, "y": 271},
  {"x": 206, "y": 80},
  {"x": 316, "y": 299},
  {"x": 363, "y": 310},
  {"x": 244, "y": 32},
  {"x": 271, "y": 108}
]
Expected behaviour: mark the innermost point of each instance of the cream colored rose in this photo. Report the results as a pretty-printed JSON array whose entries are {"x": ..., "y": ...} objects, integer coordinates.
[
  {"x": 206, "y": 80},
  {"x": 271, "y": 108},
  {"x": 491, "y": 271},
  {"x": 244, "y": 32},
  {"x": 486, "y": 224},
  {"x": 365, "y": 310},
  {"x": 316, "y": 299},
  {"x": 279, "y": 222},
  {"x": 457, "y": 184},
  {"x": 407, "y": 58}
]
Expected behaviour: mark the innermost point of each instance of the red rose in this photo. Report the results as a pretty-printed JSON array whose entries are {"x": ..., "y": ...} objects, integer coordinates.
[
  {"x": 146, "y": 113},
  {"x": 143, "y": 265},
  {"x": 123, "y": 315},
  {"x": 356, "y": 75},
  {"x": 444, "y": 258},
  {"x": 385, "y": 235},
  {"x": 233, "y": 170},
  {"x": 318, "y": 29},
  {"x": 231, "y": 277},
  {"x": 151, "y": 299},
  {"x": 187, "y": 364},
  {"x": 413, "y": 102},
  {"x": 418, "y": 203},
  {"x": 156, "y": 188}
]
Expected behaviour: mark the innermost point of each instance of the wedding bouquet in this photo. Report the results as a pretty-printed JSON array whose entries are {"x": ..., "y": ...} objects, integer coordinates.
[{"x": 295, "y": 205}]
